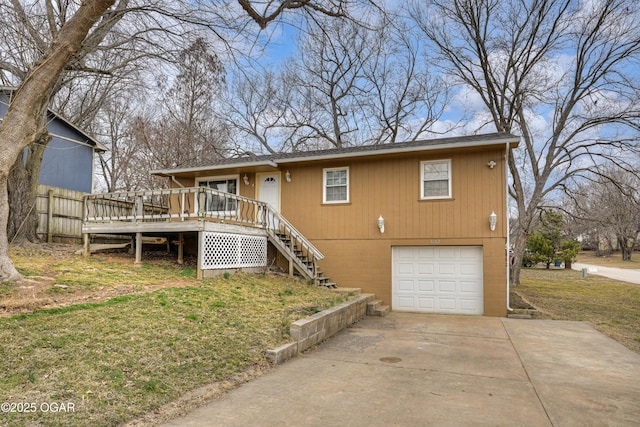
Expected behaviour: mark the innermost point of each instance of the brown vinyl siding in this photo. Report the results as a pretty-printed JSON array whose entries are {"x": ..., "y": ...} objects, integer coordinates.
[
  {"x": 358, "y": 255},
  {"x": 391, "y": 188}
]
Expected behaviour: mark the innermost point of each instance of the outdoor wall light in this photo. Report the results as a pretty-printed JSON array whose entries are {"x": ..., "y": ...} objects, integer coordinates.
[
  {"x": 287, "y": 176},
  {"x": 493, "y": 219},
  {"x": 491, "y": 164},
  {"x": 381, "y": 224},
  {"x": 245, "y": 178}
]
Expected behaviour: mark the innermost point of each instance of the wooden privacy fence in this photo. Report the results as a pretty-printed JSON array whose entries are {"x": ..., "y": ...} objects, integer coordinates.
[{"x": 60, "y": 214}]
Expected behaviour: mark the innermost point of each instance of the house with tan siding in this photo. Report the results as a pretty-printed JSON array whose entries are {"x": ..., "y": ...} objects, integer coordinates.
[{"x": 421, "y": 224}]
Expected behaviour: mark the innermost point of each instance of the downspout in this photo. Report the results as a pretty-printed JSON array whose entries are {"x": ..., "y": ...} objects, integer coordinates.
[
  {"x": 173, "y": 178},
  {"x": 506, "y": 179}
]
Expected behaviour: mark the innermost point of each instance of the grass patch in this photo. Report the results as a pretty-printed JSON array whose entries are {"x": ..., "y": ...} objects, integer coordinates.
[
  {"x": 611, "y": 306},
  {"x": 97, "y": 271},
  {"x": 613, "y": 260},
  {"x": 119, "y": 359}
]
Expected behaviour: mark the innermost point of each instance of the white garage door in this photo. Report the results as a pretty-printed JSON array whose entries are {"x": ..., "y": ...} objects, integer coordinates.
[{"x": 438, "y": 279}]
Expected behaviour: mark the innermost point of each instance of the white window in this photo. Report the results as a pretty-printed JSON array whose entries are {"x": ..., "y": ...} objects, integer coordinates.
[
  {"x": 435, "y": 179},
  {"x": 219, "y": 203},
  {"x": 336, "y": 185}
]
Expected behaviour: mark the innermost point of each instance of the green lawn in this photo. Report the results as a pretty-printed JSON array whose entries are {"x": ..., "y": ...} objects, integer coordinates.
[
  {"x": 611, "y": 306},
  {"x": 119, "y": 359}
]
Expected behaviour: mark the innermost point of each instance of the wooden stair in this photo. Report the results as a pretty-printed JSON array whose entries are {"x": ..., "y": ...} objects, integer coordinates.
[{"x": 374, "y": 308}]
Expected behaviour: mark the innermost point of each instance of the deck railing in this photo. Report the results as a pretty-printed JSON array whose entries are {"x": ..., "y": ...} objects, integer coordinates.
[
  {"x": 174, "y": 204},
  {"x": 201, "y": 203}
]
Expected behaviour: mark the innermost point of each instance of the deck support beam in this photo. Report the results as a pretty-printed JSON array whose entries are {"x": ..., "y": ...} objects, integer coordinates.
[
  {"x": 138, "y": 248},
  {"x": 86, "y": 243},
  {"x": 180, "y": 248},
  {"x": 200, "y": 273}
]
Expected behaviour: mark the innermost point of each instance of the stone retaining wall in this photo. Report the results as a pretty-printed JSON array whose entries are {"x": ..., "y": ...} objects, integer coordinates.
[{"x": 315, "y": 329}]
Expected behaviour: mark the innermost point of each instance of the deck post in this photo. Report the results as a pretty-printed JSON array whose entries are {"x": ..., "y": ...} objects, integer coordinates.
[
  {"x": 86, "y": 242},
  {"x": 180, "y": 248},
  {"x": 199, "y": 256},
  {"x": 291, "y": 267},
  {"x": 138, "y": 248}
]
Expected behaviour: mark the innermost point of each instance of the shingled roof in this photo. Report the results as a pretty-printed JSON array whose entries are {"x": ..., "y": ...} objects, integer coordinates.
[
  {"x": 9, "y": 91},
  {"x": 274, "y": 160}
]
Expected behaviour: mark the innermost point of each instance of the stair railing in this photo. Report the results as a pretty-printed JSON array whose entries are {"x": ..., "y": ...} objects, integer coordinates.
[{"x": 304, "y": 253}]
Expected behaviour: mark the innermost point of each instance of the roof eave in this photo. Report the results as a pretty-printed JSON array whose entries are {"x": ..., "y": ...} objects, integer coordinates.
[
  {"x": 399, "y": 150},
  {"x": 172, "y": 172},
  {"x": 511, "y": 140}
]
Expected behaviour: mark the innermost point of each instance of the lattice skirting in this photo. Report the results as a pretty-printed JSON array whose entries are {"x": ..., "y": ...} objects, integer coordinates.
[{"x": 225, "y": 250}]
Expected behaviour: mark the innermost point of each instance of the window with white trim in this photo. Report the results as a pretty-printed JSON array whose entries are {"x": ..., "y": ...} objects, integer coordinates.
[
  {"x": 216, "y": 203},
  {"x": 336, "y": 185},
  {"x": 435, "y": 179}
]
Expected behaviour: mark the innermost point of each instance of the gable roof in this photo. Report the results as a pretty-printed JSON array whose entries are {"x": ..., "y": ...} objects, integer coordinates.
[
  {"x": 52, "y": 114},
  {"x": 275, "y": 160}
]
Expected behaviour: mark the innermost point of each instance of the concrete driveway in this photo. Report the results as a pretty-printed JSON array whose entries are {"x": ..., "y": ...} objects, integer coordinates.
[{"x": 417, "y": 370}]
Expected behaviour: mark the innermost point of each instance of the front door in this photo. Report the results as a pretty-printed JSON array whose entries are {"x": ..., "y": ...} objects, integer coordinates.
[{"x": 269, "y": 189}]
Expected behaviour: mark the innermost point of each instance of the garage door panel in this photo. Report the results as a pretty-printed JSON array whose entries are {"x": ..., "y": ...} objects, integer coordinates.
[
  {"x": 424, "y": 253},
  {"x": 425, "y": 303},
  {"x": 439, "y": 279},
  {"x": 447, "y": 304},
  {"x": 469, "y": 306},
  {"x": 446, "y": 287},
  {"x": 406, "y": 268},
  {"x": 426, "y": 286},
  {"x": 470, "y": 269},
  {"x": 468, "y": 287},
  {"x": 446, "y": 252},
  {"x": 406, "y": 286},
  {"x": 425, "y": 268},
  {"x": 402, "y": 302},
  {"x": 446, "y": 269}
]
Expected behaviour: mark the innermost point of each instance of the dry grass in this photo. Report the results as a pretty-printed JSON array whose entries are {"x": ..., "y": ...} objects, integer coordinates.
[
  {"x": 121, "y": 358},
  {"x": 55, "y": 276},
  {"x": 611, "y": 306},
  {"x": 613, "y": 260}
]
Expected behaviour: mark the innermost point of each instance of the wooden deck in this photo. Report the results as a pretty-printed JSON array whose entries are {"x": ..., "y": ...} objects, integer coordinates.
[
  {"x": 200, "y": 210},
  {"x": 168, "y": 227}
]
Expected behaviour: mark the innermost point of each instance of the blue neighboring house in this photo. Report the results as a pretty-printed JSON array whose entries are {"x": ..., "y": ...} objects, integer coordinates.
[{"x": 69, "y": 157}]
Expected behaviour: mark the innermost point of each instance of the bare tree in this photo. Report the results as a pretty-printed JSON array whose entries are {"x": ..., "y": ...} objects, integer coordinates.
[
  {"x": 113, "y": 126},
  {"x": 24, "y": 124},
  {"x": 257, "y": 106},
  {"x": 183, "y": 128},
  {"x": 406, "y": 97},
  {"x": 611, "y": 207},
  {"x": 556, "y": 72},
  {"x": 350, "y": 83},
  {"x": 114, "y": 48}
]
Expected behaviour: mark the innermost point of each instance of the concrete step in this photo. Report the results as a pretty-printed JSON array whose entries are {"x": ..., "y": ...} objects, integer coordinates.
[
  {"x": 383, "y": 311},
  {"x": 377, "y": 308}
]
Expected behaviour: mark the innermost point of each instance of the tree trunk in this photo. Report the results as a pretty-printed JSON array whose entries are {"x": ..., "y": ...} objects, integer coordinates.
[
  {"x": 7, "y": 270},
  {"x": 23, "y": 191},
  {"x": 518, "y": 255},
  {"x": 624, "y": 248},
  {"x": 23, "y": 122}
]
